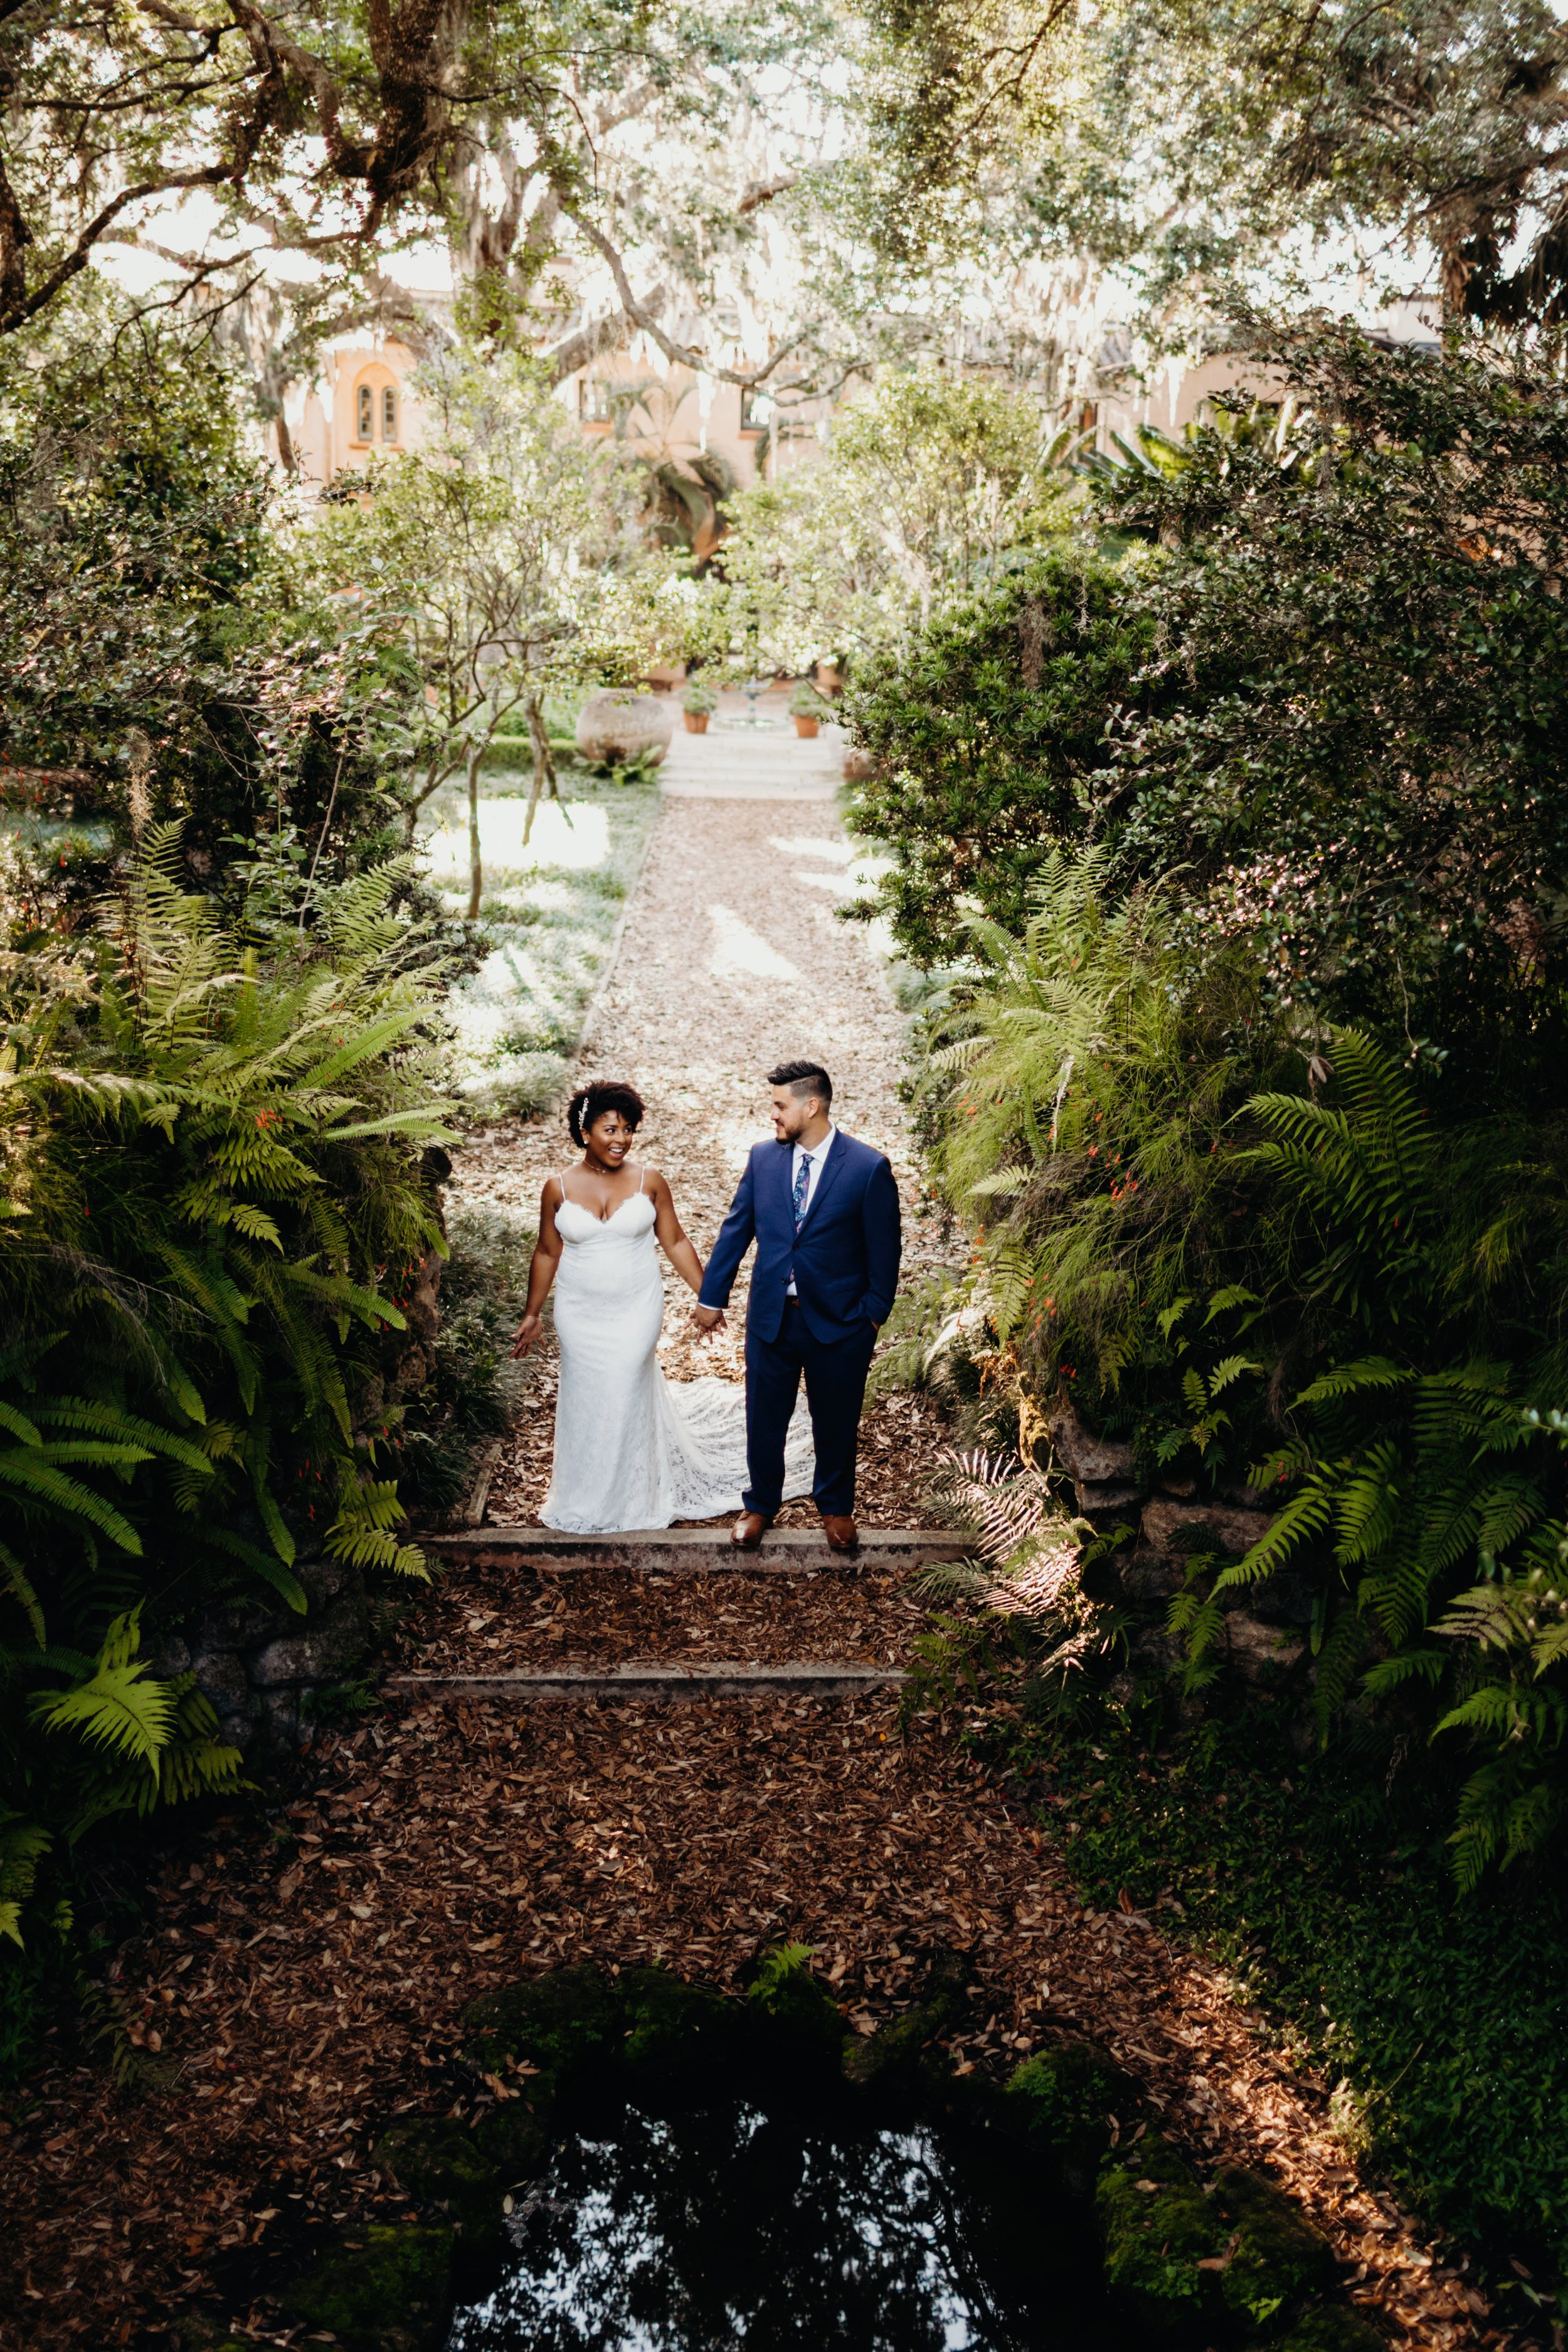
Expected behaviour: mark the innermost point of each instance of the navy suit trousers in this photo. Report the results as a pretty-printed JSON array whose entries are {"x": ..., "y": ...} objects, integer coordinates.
[{"x": 834, "y": 1373}]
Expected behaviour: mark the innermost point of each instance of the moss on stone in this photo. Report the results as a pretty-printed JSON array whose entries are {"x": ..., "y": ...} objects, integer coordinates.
[
  {"x": 442, "y": 2163},
  {"x": 388, "y": 2289},
  {"x": 1062, "y": 2101},
  {"x": 1278, "y": 2258},
  {"x": 198, "y": 2331},
  {"x": 1158, "y": 2227},
  {"x": 1332, "y": 2327},
  {"x": 515, "y": 2137},
  {"x": 801, "y": 2011},
  {"x": 670, "y": 2024},
  {"x": 896, "y": 2048},
  {"x": 566, "y": 2023}
]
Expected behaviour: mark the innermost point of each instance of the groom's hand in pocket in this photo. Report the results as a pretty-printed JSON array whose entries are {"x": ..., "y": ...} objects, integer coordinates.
[{"x": 708, "y": 1319}]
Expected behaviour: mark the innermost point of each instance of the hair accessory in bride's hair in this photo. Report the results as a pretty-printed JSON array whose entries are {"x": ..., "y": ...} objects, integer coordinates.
[{"x": 600, "y": 1094}]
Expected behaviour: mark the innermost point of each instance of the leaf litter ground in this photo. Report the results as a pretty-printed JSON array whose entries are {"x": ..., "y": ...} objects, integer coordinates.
[{"x": 303, "y": 1993}]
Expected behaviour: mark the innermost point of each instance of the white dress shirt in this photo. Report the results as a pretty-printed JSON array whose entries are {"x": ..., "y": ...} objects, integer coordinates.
[{"x": 814, "y": 1159}]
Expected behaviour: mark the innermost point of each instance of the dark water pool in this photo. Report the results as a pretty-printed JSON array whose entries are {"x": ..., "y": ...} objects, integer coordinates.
[{"x": 795, "y": 2228}]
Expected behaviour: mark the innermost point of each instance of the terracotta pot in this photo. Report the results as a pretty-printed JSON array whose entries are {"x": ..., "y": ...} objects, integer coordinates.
[
  {"x": 697, "y": 722},
  {"x": 808, "y": 727}
]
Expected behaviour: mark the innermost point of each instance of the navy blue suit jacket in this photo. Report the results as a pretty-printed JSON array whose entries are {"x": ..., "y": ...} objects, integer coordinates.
[{"x": 846, "y": 1255}]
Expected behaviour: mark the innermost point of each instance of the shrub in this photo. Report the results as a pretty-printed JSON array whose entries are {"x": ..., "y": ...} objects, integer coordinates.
[
  {"x": 1349, "y": 739},
  {"x": 1318, "y": 697},
  {"x": 159, "y": 664},
  {"x": 1336, "y": 1297},
  {"x": 210, "y": 1154},
  {"x": 987, "y": 734},
  {"x": 926, "y": 487},
  {"x": 1078, "y": 1093}
]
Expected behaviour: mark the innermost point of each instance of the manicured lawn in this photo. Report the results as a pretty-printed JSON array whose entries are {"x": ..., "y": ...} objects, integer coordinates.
[{"x": 550, "y": 910}]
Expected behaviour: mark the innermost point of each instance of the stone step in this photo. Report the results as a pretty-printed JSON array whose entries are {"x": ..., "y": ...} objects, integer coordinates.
[
  {"x": 716, "y": 1679},
  {"x": 735, "y": 762},
  {"x": 686, "y": 1551}
]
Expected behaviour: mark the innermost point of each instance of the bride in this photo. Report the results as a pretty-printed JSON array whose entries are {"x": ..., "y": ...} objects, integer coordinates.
[{"x": 631, "y": 1449}]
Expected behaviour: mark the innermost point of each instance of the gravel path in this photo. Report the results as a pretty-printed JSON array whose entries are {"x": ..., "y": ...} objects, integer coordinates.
[{"x": 732, "y": 960}]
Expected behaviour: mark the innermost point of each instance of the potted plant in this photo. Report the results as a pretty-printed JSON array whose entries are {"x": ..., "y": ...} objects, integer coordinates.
[
  {"x": 808, "y": 708},
  {"x": 698, "y": 702}
]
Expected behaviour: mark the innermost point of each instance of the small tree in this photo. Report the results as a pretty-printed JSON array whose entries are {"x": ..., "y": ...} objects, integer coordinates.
[
  {"x": 481, "y": 548},
  {"x": 154, "y": 667},
  {"x": 924, "y": 485}
]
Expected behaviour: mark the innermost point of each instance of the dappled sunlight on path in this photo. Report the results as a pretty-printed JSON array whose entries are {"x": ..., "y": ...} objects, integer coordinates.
[{"x": 734, "y": 958}]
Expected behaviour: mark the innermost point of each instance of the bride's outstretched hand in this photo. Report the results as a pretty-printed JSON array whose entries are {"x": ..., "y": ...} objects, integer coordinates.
[
  {"x": 523, "y": 1337},
  {"x": 705, "y": 1319}
]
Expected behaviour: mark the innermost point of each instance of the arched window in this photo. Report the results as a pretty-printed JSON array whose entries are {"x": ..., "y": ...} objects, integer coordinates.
[{"x": 375, "y": 407}]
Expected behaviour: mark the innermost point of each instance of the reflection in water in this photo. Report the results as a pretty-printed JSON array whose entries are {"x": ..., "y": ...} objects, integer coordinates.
[{"x": 723, "y": 2226}]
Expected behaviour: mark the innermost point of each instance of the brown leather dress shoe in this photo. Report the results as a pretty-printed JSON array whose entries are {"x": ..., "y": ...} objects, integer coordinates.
[
  {"x": 749, "y": 1530},
  {"x": 842, "y": 1534}
]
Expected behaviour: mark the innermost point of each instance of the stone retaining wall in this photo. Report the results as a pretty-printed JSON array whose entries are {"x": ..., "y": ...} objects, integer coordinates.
[
  {"x": 256, "y": 1660},
  {"x": 1265, "y": 1623}
]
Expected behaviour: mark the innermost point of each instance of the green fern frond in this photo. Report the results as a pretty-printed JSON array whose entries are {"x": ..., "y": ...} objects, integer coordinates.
[
  {"x": 1342, "y": 1650},
  {"x": 131, "y": 1429},
  {"x": 1306, "y": 1515},
  {"x": 1428, "y": 1666},
  {"x": 120, "y": 1707},
  {"x": 262, "y": 1564},
  {"x": 1353, "y": 1380},
  {"x": 29, "y": 1469}
]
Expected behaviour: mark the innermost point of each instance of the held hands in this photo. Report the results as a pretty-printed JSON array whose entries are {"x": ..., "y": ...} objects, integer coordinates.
[
  {"x": 523, "y": 1337},
  {"x": 707, "y": 1320}
]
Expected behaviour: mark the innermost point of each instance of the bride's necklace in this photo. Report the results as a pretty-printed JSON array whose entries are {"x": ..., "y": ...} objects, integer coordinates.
[{"x": 602, "y": 1205}]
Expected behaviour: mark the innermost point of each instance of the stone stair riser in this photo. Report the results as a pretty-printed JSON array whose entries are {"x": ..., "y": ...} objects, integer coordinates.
[
  {"x": 693, "y": 1550},
  {"x": 719, "y": 1680}
]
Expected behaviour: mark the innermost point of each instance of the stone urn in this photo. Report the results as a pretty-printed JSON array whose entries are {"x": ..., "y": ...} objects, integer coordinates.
[
  {"x": 620, "y": 724},
  {"x": 806, "y": 726},
  {"x": 696, "y": 722}
]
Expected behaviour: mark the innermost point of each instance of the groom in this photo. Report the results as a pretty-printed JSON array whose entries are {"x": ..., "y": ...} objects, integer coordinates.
[{"x": 824, "y": 1213}]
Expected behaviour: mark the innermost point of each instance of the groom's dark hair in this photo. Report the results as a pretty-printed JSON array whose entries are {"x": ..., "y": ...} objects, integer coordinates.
[{"x": 802, "y": 1078}]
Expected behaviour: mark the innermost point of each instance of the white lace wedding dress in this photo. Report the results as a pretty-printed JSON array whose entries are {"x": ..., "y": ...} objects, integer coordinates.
[{"x": 633, "y": 1449}]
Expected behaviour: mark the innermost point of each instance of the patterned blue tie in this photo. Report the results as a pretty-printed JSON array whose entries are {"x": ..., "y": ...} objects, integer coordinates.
[{"x": 802, "y": 1186}]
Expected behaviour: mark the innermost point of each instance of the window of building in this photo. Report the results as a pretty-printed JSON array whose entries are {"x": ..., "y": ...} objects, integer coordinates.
[
  {"x": 756, "y": 411},
  {"x": 365, "y": 413},
  {"x": 594, "y": 400},
  {"x": 389, "y": 412}
]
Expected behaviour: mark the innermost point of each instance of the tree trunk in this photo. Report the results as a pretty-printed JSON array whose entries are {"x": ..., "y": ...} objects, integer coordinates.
[
  {"x": 476, "y": 867},
  {"x": 543, "y": 765}
]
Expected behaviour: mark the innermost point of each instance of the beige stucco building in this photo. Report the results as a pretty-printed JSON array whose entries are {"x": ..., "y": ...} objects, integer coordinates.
[
  {"x": 360, "y": 406},
  {"x": 355, "y": 409}
]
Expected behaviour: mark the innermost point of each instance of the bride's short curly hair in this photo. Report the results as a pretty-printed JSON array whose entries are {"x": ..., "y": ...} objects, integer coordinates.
[{"x": 600, "y": 1094}]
